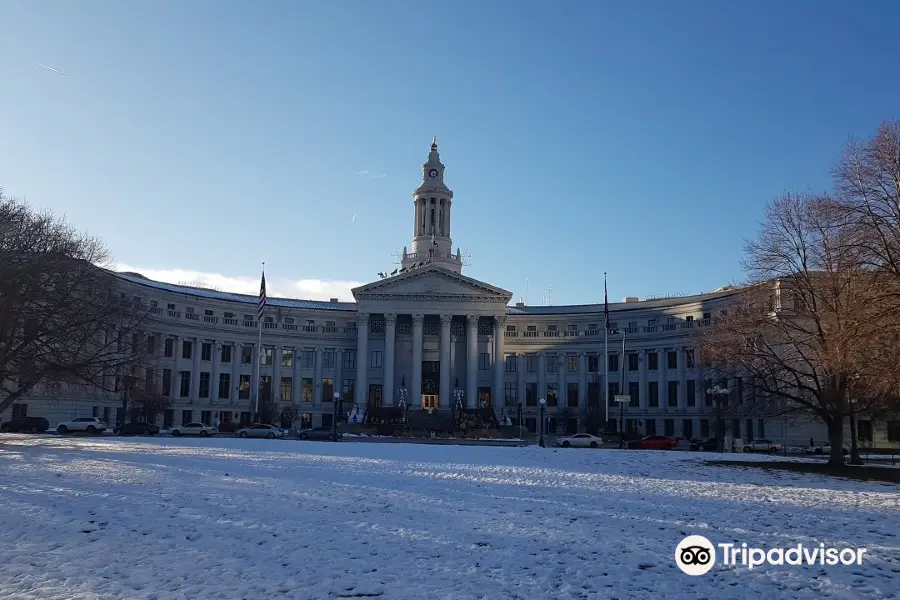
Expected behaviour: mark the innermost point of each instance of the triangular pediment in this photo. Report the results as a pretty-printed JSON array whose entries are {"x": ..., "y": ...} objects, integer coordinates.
[{"x": 431, "y": 281}]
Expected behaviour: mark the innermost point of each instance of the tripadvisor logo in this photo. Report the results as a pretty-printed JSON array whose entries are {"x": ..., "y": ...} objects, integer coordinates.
[{"x": 696, "y": 555}]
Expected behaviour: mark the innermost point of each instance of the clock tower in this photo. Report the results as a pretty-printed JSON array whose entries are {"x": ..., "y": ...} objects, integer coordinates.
[{"x": 433, "y": 202}]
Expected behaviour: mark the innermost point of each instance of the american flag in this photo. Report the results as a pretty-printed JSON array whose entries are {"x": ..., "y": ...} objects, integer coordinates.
[
  {"x": 261, "y": 306},
  {"x": 605, "y": 302}
]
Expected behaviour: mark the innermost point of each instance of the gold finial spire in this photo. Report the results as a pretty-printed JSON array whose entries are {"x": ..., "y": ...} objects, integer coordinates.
[{"x": 434, "y": 142}]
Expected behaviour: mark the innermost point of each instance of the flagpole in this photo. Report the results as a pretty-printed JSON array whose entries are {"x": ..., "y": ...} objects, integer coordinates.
[
  {"x": 259, "y": 326},
  {"x": 605, "y": 356}
]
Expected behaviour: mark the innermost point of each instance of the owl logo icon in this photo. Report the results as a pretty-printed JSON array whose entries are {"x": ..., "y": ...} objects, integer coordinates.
[{"x": 695, "y": 555}]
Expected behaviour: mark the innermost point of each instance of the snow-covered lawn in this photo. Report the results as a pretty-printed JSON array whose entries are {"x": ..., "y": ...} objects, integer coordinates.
[{"x": 256, "y": 519}]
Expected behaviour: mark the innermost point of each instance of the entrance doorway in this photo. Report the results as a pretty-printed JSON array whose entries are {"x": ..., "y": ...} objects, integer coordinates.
[
  {"x": 484, "y": 397},
  {"x": 431, "y": 380},
  {"x": 375, "y": 395}
]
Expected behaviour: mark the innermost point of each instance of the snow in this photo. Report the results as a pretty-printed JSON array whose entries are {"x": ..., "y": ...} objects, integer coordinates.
[{"x": 162, "y": 518}]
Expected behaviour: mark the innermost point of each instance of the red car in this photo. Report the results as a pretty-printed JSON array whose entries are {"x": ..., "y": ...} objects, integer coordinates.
[{"x": 654, "y": 442}]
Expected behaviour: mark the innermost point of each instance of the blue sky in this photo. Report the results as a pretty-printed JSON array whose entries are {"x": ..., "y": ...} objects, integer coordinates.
[{"x": 643, "y": 138}]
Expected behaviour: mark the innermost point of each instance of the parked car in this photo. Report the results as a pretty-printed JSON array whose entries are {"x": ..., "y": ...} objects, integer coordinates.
[
  {"x": 762, "y": 446},
  {"x": 193, "y": 429},
  {"x": 137, "y": 429},
  {"x": 82, "y": 424},
  {"x": 654, "y": 442},
  {"x": 261, "y": 431},
  {"x": 580, "y": 440},
  {"x": 707, "y": 445},
  {"x": 26, "y": 425},
  {"x": 317, "y": 433}
]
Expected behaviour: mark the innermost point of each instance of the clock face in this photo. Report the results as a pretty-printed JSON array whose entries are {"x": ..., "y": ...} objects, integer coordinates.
[{"x": 432, "y": 173}]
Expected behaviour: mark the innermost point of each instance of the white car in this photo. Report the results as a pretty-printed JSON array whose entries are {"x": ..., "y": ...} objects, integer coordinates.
[
  {"x": 193, "y": 429},
  {"x": 85, "y": 424},
  {"x": 762, "y": 446},
  {"x": 580, "y": 440},
  {"x": 261, "y": 431}
]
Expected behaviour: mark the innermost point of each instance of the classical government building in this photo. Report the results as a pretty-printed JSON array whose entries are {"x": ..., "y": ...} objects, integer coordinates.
[{"x": 430, "y": 337}]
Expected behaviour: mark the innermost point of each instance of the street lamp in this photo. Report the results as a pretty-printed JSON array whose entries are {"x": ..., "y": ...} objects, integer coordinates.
[
  {"x": 716, "y": 391},
  {"x": 334, "y": 415},
  {"x": 519, "y": 419},
  {"x": 542, "y": 402},
  {"x": 854, "y": 435}
]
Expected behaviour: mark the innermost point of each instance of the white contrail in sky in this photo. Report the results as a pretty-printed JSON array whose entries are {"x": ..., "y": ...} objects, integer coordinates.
[
  {"x": 354, "y": 218},
  {"x": 51, "y": 69}
]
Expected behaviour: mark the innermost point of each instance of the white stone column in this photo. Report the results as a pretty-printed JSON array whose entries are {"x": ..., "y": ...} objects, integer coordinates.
[
  {"x": 390, "y": 351},
  {"x": 276, "y": 374},
  {"x": 542, "y": 376},
  {"x": 175, "y": 383},
  {"x": 362, "y": 359},
  {"x": 499, "y": 394},
  {"x": 446, "y": 401},
  {"x": 235, "y": 373},
  {"x": 255, "y": 370},
  {"x": 682, "y": 379},
  {"x": 214, "y": 375},
  {"x": 319, "y": 375},
  {"x": 520, "y": 377},
  {"x": 582, "y": 380},
  {"x": 472, "y": 361},
  {"x": 295, "y": 374},
  {"x": 195, "y": 370},
  {"x": 643, "y": 394},
  {"x": 415, "y": 393},
  {"x": 562, "y": 394}
]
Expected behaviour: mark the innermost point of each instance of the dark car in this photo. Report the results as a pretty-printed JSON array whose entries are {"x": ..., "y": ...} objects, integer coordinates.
[
  {"x": 138, "y": 429},
  {"x": 707, "y": 445},
  {"x": 26, "y": 425},
  {"x": 654, "y": 442},
  {"x": 317, "y": 433}
]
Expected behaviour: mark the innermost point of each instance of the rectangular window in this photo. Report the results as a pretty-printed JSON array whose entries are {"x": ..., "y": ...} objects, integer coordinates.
[
  {"x": 893, "y": 431},
  {"x": 328, "y": 359},
  {"x": 632, "y": 362},
  {"x": 244, "y": 388},
  {"x": 672, "y": 394},
  {"x": 376, "y": 359},
  {"x": 266, "y": 357},
  {"x": 634, "y": 390},
  {"x": 531, "y": 393},
  {"x": 151, "y": 344},
  {"x": 309, "y": 359},
  {"x": 206, "y": 351},
  {"x": 552, "y": 363},
  {"x": 204, "y": 385},
  {"x": 651, "y": 426},
  {"x": 287, "y": 389},
  {"x": 653, "y": 394},
  {"x": 531, "y": 363},
  {"x": 246, "y": 355},
  {"x": 327, "y": 389},
  {"x": 672, "y": 359},
  {"x": 690, "y": 393},
  {"x": 265, "y": 389},
  {"x": 224, "y": 386},
  {"x": 511, "y": 394},
  {"x": 689, "y": 358},
  {"x": 166, "y": 382},
  {"x": 226, "y": 354},
  {"x": 704, "y": 428},
  {"x": 169, "y": 348},
  {"x": 187, "y": 416},
  {"x": 206, "y": 417},
  {"x": 572, "y": 394},
  {"x": 306, "y": 389},
  {"x": 347, "y": 389},
  {"x": 552, "y": 391},
  {"x": 510, "y": 363},
  {"x": 349, "y": 359},
  {"x": 613, "y": 362},
  {"x": 484, "y": 361},
  {"x": 669, "y": 427},
  {"x": 687, "y": 428},
  {"x": 187, "y": 349},
  {"x": 185, "y": 387},
  {"x": 572, "y": 364},
  {"x": 593, "y": 363},
  {"x": 652, "y": 360},
  {"x": 612, "y": 390},
  {"x": 287, "y": 357},
  {"x": 761, "y": 426},
  {"x": 864, "y": 431}
]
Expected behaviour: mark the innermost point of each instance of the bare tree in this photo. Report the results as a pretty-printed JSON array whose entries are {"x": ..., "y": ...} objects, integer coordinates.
[
  {"x": 142, "y": 401},
  {"x": 811, "y": 329},
  {"x": 63, "y": 320}
]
